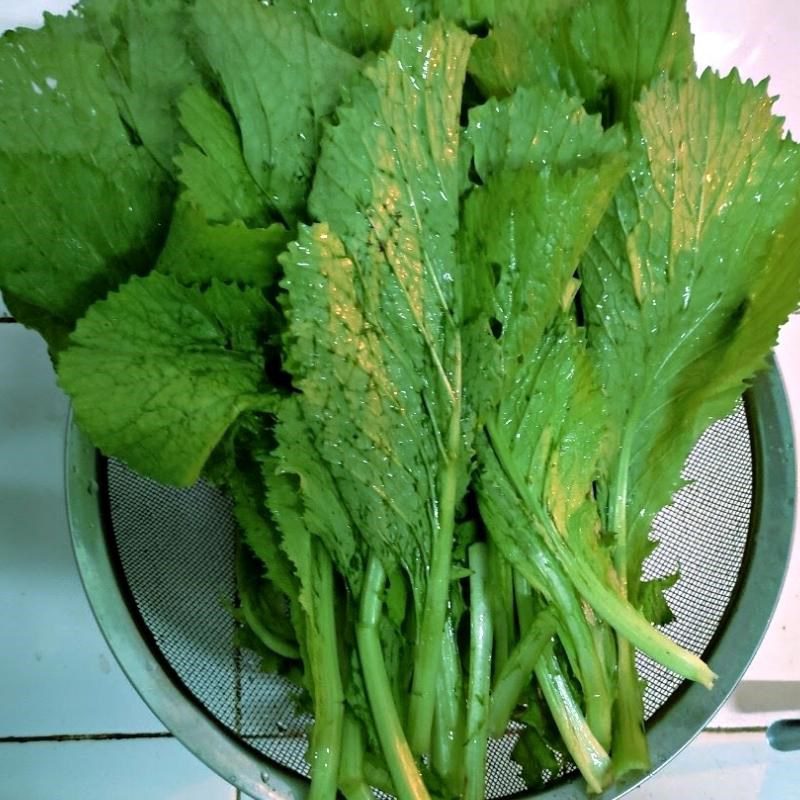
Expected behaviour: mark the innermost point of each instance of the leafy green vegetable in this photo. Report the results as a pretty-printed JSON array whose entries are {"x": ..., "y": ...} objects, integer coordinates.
[
  {"x": 673, "y": 286},
  {"x": 80, "y": 206},
  {"x": 441, "y": 293},
  {"x": 391, "y": 303},
  {"x": 212, "y": 169},
  {"x": 539, "y": 127},
  {"x": 604, "y": 51},
  {"x": 147, "y": 65},
  {"x": 281, "y": 81},
  {"x": 359, "y": 26},
  {"x": 158, "y": 372},
  {"x": 197, "y": 251}
]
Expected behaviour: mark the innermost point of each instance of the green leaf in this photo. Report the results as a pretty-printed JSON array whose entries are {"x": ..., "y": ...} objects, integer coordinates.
[
  {"x": 554, "y": 425},
  {"x": 247, "y": 485},
  {"x": 530, "y": 45},
  {"x": 79, "y": 204},
  {"x": 359, "y": 26},
  {"x": 213, "y": 171},
  {"x": 387, "y": 185},
  {"x": 686, "y": 283},
  {"x": 147, "y": 65},
  {"x": 317, "y": 504},
  {"x": 538, "y": 127},
  {"x": 281, "y": 81},
  {"x": 157, "y": 372},
  {"x": 631, "y": 43},
  {"x": 338, "y": 384},
  {"x": 263, "y": 607},
  {"x": 522, "y": 240},
  {"x": 197, "y": 251},
  {"x": 535, "y": 751},
  {"x": 604, "y": 51},
  {"x": 653, "y": 601}
]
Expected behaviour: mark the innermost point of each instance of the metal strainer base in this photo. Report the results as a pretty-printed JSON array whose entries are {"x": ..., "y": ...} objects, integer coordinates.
[{"x": 172, "y": 556}]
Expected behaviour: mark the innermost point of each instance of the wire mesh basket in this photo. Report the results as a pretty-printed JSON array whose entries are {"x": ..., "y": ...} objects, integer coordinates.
[{"x": 158, "y": 567}]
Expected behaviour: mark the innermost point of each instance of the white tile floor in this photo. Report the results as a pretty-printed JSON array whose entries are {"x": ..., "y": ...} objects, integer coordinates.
[
  {"x": 57, "y": 677},
  {"x": 137, "y": 769}
]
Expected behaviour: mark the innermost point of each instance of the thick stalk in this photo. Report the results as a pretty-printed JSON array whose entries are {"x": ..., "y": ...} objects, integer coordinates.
[
  {"x": 480, "y": 677},
  {"x": 326, "y": 738},
  {"x": 377, "y": 776},
  {"x": 607, "y": 602},
  {"x": 407, "y": 780},
  {"x": 578, "y": 638},
  {"x": 631, "y": 751},
  {"x": 351, "y": 768},
  {"x": 523, "y": 598},
  {"x": 501, "y": 600},
  {"x": 431, "y": 631},
  {"x": 448, "y": 720},
  {"x": 590, "y": 758},
  {"x": 516, "y": 675},
  {"x": 618, "y": 512}
]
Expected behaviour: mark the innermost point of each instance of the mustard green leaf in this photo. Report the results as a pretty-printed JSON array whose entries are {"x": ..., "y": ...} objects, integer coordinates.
[
  {"x": 157, "y": 372},
  {"x": 522, "y": 241},
  {"x": 538, "y": 127},
  {"x": 281, "y": 81},
  {"x": 146, "y": 67},
  {"x": 373, "y": 292},
  {"x": 212, "y": 169},
  {"x": 529, "y": 44},
  {"x": 197, "y": 251},
  {"x": 687, "y": 281},
  {"x": 604, "y": 51},
  {"x": 359, "y": 26},
  {"x": 80, "y": 205},
  {"x": 631, "y": 43}
]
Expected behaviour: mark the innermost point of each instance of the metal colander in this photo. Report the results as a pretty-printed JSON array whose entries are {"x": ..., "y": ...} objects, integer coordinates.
[{"x": 158, "y": 567}]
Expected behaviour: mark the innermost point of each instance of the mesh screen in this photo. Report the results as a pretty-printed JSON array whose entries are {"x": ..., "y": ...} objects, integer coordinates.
[{"x": 176, "y": 555}]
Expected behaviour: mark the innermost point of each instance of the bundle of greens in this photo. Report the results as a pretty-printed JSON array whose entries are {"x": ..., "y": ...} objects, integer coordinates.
[{"x": 442, "y": 293}]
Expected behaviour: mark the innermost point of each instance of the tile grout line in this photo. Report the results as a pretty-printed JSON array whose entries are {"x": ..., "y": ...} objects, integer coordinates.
[
  {"x": 741, "y": 729},
  {"x": 83, "y": 737}
]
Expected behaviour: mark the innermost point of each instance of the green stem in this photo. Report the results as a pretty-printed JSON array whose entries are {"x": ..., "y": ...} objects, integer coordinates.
[
  {"x": 618, "y": 512},
  {"x": 480, "y": 676},
  {"x": 523, "y": 596},
  {"x": 326, "y": 739},
  {"x": 377, "y": 776},
  {"x": 631, "y": 752},
  {"x": 407, "y": 780},
  {"x": 431, "y": 631},
  {"x": 351, "y": 768},
  {"x": 501, "y": 600},
  {"x": 448, "y": 720},
  {"x": 607, "y": 602},
  {"x": 576, "y": 633},
  {"x": 516, "y": 675},
  {"x": 587, "y": 753}
]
